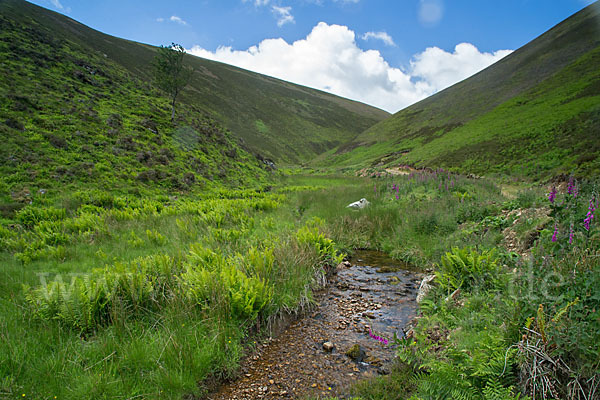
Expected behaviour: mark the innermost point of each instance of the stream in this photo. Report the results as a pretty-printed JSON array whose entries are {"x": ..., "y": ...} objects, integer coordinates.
[{"x": 364, "y": 304}]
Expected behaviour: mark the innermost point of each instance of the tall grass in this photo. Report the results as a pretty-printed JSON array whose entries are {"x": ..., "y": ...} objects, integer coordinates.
[
  {"x": 417, "y": 222},
  {"x": 158, "y": 298},
  {"x": 155, "y": 299},
  {"x": 496, "y": 326}
]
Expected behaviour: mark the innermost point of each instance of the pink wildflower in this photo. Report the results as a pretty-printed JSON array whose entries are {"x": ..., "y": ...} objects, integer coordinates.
[
  {"x": 552, "y": 195},
  {"x": 590, "y": 215},
  {"x": 571, "y": 188},
  {"x": 571, "y": 235}
]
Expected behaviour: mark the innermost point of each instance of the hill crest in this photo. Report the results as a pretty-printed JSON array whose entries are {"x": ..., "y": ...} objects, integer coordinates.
[
  {"x": 280, "y": 120},
  {"x": 505, "y": 118}
]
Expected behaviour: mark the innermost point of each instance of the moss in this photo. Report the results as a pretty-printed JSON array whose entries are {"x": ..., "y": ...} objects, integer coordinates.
[{"x": 356, "y": 353}]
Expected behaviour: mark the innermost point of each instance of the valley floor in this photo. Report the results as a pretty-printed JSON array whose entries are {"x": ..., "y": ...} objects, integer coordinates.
[
  {"x": 112, "y": 296},
  {"x": 324, "y": 352}
]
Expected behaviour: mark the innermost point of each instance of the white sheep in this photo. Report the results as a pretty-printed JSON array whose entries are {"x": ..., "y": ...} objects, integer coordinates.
[{"x": 358, "y": 205}]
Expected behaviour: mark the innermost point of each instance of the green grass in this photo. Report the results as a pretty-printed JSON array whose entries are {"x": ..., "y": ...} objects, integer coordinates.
[
  {"x": 297, "y": 122},
  {"x": 261, "y": 127},
  {"x": 141, "y": 259},
  {"x": 417, "y": 227},
  {"x": 168, "y": 347},
  {"x": 75, "y": 119},
  {"x": 171, "y": 344},
  {"x": 213, "y": 270},
  {"x": 482, "y": 342},
  {"x": 398, "y": 385},
  {"x": 534, "y": 114}
]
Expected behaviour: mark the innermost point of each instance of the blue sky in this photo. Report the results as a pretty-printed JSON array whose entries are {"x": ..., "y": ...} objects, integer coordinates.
[{"x": 389, "y": 53}]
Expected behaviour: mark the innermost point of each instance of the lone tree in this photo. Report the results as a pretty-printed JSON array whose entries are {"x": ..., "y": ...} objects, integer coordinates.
[{"x": 169, "y": 72}]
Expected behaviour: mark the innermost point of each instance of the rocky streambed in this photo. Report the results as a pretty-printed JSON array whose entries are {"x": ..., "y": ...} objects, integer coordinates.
[{"x": 349, "y": 336}]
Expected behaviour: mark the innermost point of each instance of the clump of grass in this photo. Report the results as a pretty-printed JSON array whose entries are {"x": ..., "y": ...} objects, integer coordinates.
[
  {"x": 457, "y": 347},
  {"x": 398, "y": 385},
  {"x": 414, "y": 217},
  {"x": 542, "y": 348},
  {"x": 152, "y": 269}
]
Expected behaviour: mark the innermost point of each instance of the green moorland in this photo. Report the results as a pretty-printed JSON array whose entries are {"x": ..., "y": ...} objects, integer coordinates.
[
  {"x": 142, "y": 259},
  {"x": 497, "y": 324},
  {"x": 72, "y": 119},
  {"x": 279, "y": 120},
  {"x": 535, "y": 114},
  {"x": 112, "y": 295}
]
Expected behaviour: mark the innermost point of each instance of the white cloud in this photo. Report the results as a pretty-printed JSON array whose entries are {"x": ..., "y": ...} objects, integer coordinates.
[
  {"x": 330, "y": 59},
  {"x": 175, "y": 18},
  {"x": 440, "y": 69},
  {"x": 57, "y": 4},
  {"x": 283, "y": 15},
  {"x": 430, "y": 12},
  {"x": 258, "y": 2},
  {"x": 383, "y": 36}
]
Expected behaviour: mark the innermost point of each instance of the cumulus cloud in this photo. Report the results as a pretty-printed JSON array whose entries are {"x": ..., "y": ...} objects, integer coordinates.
[
  {"x": 283, "y": 15},
  {"x": 383, "y": 36},
  {"x": 440, "y": 69},
  {"x": 430, "y": 12},
  {"x": 330, "y": 59},
  {"x": 175, "y": 18}
]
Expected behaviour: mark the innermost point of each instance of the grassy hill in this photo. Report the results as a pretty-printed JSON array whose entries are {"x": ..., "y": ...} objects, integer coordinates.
[
  {"x": 143, "y": 259},
  {"x": 71, "y": 119},
  {"x": 279, "y": 120},
  {"x": 533, "y": 113}
]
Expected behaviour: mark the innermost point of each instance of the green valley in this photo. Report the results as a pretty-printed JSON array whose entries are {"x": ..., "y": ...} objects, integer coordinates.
[
  {"x": 144, "y": 258},
  {"x": 535, "y": 113},
  {"x": 301, "y": 122}
]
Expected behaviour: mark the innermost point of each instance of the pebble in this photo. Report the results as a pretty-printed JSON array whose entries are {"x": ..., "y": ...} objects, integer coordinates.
[{"x": 303, "y": 362}]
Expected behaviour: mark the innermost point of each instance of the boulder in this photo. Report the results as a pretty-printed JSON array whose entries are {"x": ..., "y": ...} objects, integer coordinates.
[{"x": 356, "y": 353}]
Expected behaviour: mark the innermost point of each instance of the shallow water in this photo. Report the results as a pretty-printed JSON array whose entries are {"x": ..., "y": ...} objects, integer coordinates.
[{"x": 358, "y": 300}]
